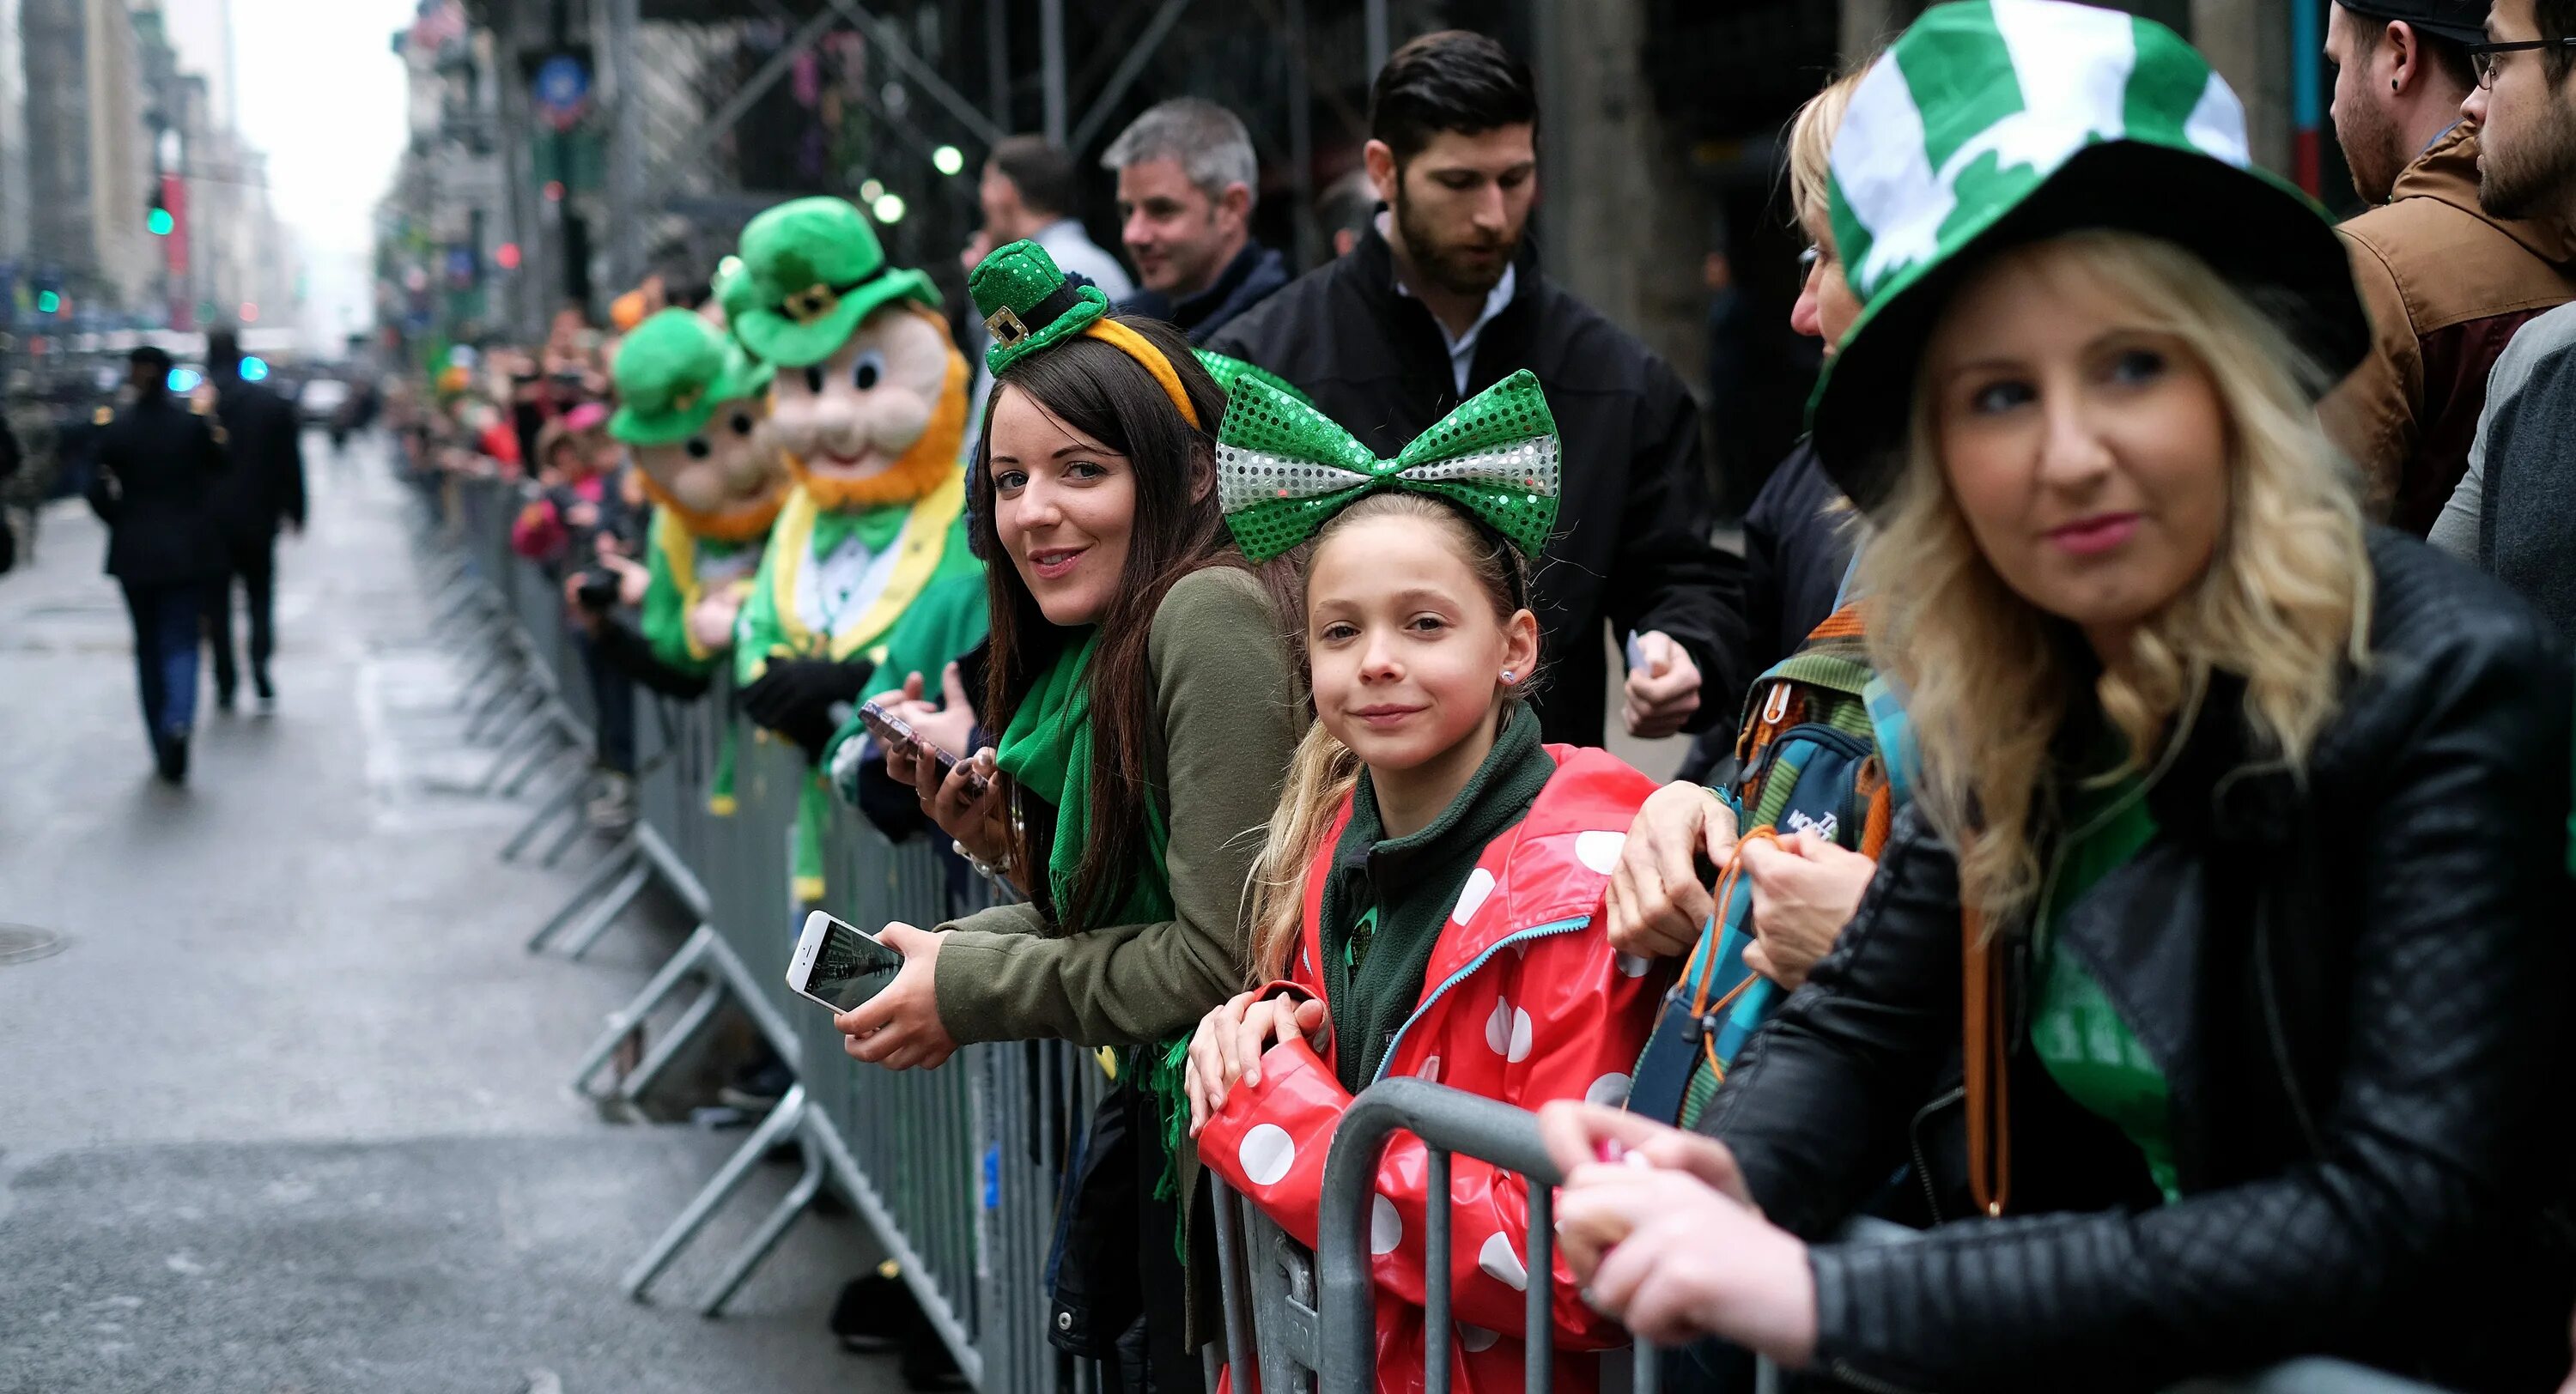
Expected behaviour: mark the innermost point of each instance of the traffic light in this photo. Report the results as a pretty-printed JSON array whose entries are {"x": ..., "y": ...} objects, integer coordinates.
[
  {"x": 156, "y": 216},
  {"x": 47, "y": 302}
]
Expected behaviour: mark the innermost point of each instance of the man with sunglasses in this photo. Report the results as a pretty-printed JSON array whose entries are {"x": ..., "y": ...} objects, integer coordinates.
[
  {"x": 2515, "y": 510},
  {"x": 2447, "y": 283}
]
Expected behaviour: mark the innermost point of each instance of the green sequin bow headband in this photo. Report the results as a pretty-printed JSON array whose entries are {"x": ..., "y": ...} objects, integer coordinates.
[{"x": 1283, "y": 469}]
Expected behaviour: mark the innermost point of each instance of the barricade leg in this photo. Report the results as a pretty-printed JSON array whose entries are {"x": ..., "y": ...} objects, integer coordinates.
[
  {"x": 701, "y": 1010},
  {"x": 782, "y": 1122},
  {"x": 517, "y": 703},
  {"x": 528, "y": 737},
  {"x": 692, "y": 954},
  {"x": 606, "y": 912},
  {"x": 598, "y": 879},
  {"x": 492, "y": 665},
  {"x": 517, "y": 784},
  {"x": 554, "y": 806},
  {"x": 541, "y": 755},
  {"x": 773, "y": 1227},
  {"x": 573, "y": 830}
]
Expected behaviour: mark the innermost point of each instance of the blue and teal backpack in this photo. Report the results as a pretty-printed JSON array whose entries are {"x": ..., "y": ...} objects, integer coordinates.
[{"x": 1822, "y": 750}]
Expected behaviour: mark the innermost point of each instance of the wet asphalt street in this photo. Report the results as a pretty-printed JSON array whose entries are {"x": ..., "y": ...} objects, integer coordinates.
[{"x": 288, "y": 1111}]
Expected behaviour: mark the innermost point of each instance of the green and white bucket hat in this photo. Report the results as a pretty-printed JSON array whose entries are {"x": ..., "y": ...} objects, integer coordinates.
[{"x": 1996, "y": 123}]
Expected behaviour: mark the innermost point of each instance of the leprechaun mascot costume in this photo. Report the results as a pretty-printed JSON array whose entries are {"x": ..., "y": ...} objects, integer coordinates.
[
  {"x": 869, "y": 406},
  {"x": 694, "y": 417}
]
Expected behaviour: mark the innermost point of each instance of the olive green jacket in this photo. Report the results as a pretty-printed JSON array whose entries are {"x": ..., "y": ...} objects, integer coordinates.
[{"x": 1231, "y": 713}]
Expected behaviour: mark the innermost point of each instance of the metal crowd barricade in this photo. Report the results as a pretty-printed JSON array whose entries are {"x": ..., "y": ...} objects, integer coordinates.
[
  {"x": 957, "y": 1170},
  {"x": 1333, "y": 1335}
]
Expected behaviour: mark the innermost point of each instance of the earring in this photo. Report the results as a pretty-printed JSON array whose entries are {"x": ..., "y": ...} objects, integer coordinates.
[{"x": 1507, "y": 677}]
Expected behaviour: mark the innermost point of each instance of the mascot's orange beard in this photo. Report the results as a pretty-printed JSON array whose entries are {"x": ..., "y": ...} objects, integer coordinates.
[
  {"x": 741, "y": 523},
  {"x": 919, "y": 469}
]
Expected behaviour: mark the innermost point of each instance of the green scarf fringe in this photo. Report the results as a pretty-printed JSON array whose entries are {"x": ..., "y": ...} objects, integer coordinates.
[{"x": 1162, "y": 1072}]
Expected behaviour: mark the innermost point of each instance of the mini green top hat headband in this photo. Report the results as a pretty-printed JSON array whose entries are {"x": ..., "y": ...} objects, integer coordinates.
[
  {"x": 1283, "y": 469},
  {"x": 1028, "y": 303}
]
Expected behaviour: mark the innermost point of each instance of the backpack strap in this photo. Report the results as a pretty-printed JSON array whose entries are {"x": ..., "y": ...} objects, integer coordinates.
[{"x": 1894, "y": 734}]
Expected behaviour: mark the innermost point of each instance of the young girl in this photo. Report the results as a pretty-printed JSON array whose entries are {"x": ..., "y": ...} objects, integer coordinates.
[{"x": 1428, "y": 900}]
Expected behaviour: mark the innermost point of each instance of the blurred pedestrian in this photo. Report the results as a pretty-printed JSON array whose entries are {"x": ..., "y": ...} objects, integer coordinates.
[
  {"x": 1347, "y": 209},
  {"x": 1186, "y": 185},
  {"x": 1442, "y": 298},
  {"x": 263, "y": 491},
  {"x": 2515, "y": 509},
  {"x": 158, "y": 464},
  {"x": 2447, "y": 282},
  {"x": 1031, "y": 190}
]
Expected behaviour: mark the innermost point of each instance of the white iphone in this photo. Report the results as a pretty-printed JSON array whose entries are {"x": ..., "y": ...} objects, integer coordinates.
[{"x": 838, "y": 966}]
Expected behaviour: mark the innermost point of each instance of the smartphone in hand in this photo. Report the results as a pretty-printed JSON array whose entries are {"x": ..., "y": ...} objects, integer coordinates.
[
  {"x": 892, "y": 731},
  {"x": 837, "y": 965}
]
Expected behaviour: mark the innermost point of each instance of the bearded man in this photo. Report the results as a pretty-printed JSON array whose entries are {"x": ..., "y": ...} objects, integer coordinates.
[
  {"x": 1442, "y": 298},
  {"x": 2516, "y": 508},
  {"x": 2448, "y": 282}
]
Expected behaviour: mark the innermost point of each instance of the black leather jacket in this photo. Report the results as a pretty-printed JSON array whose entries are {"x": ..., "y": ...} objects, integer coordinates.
[{"x": 2355, "y": 989}]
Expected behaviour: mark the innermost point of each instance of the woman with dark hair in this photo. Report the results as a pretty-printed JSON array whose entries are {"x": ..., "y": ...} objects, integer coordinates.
[{"x": 1143, "y": 686}]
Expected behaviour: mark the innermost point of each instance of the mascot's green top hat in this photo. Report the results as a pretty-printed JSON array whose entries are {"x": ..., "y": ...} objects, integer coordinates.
[
  {"x": 813, "y": 269},
  {"x": 1996, "y": 123},
  {"x": 672, "y": 374}
]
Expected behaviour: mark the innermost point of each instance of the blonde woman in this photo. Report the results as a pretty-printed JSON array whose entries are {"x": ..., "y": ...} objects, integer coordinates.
[{"x": 2212, "y": 985}]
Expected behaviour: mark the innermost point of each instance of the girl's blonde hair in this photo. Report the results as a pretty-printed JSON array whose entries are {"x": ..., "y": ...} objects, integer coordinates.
[
  {"x": 1990, "y": 679},
  {"x": 1324, "y": 771}
]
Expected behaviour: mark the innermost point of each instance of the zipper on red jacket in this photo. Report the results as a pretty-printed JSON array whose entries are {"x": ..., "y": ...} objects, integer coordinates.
[{"x": 1544, "y": 931}]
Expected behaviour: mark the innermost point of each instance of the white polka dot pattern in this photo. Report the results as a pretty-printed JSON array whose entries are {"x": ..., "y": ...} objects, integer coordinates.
[
  {"x": 1508, "y": 1031},
  {"x": 1599, "y": 851},
  {"x": 1501, "y": 1264},
  {"x": 1267, "y": 1153},
  {"x": 1386, "y": 1228},
  {"x": 1609, "y": 1091},
  {"x": 1480, "y": 884}
]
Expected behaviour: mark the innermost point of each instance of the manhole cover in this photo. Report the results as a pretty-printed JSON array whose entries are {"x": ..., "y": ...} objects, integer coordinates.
[{"x": 24, "y": 943}]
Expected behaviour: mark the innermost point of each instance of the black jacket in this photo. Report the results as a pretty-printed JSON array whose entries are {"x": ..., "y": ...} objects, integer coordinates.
[
  {"x": 1798, "y": 545},
  {"x": 266, "y": 482},
  {"x": 158, "y": 466},
  {"x": 1249, "y": 279},
  {"x": 1632, "y": 546},
  {"x": 2355, "y": 990}
]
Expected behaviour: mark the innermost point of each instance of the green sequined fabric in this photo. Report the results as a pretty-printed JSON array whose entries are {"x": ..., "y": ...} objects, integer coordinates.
[
  {"x": 1008, "y": 287},
  {"x": 1284, "y": 468}
]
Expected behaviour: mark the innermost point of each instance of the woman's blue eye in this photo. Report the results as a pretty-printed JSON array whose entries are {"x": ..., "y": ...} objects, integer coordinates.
[
  {"x": 2137, "y": 365},
  {"x": 2000, "y": 397},
  {"x": 1009, "y": 480}
]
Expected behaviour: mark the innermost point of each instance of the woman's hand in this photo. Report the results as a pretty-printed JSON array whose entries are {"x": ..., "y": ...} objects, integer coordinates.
[
  {"x": 1678, "y": 1260},
  {"x": 1580, "y": 1134},
  {"x": 1230, "y": 1041},
  {"x": 950, "y": 725},
  {"x": 1657, "y": 901},
  {"x": 899, "y": 1028},
  {"x": 1805, "y": 889}
]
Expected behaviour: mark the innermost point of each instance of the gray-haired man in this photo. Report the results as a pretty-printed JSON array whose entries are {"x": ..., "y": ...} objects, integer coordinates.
[{"x": 1186, "y": 179}]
